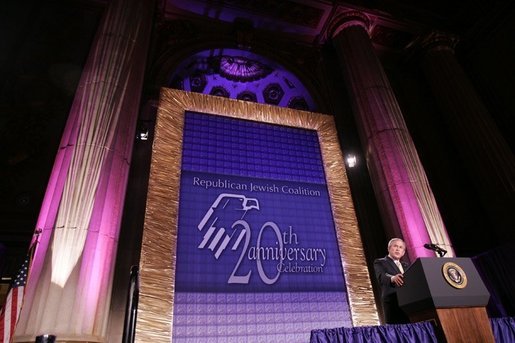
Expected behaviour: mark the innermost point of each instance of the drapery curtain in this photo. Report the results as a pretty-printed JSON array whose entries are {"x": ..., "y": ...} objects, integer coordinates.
[
  {"x": 423, "y": 332},
  {"x": 69, "y": 290},
  {"x": 503, "y": 329},
  {"x": 499, "y": 277},
  {"x": 105, "y": 81}
]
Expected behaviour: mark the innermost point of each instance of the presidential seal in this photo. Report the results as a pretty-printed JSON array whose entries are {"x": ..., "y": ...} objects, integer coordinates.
[{"x": 454, "y": 275}]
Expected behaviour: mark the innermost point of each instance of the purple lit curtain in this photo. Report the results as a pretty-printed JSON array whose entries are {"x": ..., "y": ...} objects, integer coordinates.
[
  {"x": 498, "y": 274},
  {"x": 69, "y": 290},
  {"x": 423, "y": 332},
  {"x": 503, "y": 329}
]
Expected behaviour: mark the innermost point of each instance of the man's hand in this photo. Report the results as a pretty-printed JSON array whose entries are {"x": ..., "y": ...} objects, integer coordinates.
[{"x": 398, "y": 280}]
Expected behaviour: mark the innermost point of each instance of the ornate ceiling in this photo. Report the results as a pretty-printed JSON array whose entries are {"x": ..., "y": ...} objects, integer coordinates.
[
  {"x": 308, "y": 21},
  {"x": 243, "y": 75},
  {"x": 394, "y": 23}
]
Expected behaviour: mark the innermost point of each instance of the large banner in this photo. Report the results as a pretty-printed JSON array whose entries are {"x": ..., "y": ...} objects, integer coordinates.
[{"x": 257, "y": 253}]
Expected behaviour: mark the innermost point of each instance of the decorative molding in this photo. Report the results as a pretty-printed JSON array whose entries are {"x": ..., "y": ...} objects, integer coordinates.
[
  {"x": 438, "y": 40},
  {"x": 273, "y": 93},
  {"x": 242, "y": 69},
  {"x": 220, "y": 91},
  {"x": 390, "y": 37},
  {"x": 432, "y": 41},
  {"x": 198, "y": 82},
  {"x": 247, "y": 96},
  {"x": 298, "y": 103},
  {"x": 348, "y": 19}
]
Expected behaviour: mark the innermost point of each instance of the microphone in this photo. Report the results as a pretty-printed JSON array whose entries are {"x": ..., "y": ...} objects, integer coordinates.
[{"x": 441, "y": 252}]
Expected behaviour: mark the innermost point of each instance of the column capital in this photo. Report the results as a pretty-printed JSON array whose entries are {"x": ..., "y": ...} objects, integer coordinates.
[
  {"x": 347, "y": 19},
  {"x": 438, "y": 40}
]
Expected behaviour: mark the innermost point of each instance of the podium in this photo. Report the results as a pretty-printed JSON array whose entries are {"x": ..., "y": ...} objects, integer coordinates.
[{"x": 450, "y": 292}]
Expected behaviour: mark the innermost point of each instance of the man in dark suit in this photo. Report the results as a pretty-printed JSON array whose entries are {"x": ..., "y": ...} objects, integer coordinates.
[{"x": 389, "y": 272}]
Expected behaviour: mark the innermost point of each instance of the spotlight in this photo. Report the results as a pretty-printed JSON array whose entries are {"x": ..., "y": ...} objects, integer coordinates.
[
  {"x": 142, "y": 133},
  {"x": 45, "y": 339},
  {"x": 351, "y": 160}
]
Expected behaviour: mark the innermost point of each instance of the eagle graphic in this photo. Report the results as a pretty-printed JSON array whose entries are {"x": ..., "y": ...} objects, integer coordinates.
[{"x": 218, "y": 221}]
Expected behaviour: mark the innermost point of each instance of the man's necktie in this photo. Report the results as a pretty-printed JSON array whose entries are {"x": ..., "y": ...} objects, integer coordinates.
[{"x": 399, "y": 265}]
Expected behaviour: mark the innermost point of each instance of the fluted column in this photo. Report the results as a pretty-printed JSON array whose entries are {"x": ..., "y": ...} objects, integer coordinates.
[
  {"x": 407, "y": 204},
  {"x": 69, "y": 286},
  {"x": 484, "y": 151}
]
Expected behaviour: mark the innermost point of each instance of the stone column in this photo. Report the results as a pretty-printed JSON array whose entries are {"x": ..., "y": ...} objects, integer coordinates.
[
  {"x": 488, "y": 159},
  {"x": 406, "y": 202},
  {"x": 68, "y": 295}
]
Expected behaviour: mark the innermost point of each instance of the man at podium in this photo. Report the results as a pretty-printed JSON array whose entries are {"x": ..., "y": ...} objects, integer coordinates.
[{"x": 389, "y": 272}]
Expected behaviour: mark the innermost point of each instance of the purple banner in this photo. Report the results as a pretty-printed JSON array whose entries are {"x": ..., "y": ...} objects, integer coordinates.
[
  {"x": 257, "y": 254},
  {"x": 241, "y": 234}
]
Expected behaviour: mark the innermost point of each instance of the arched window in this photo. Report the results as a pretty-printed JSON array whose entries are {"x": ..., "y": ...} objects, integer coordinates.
[{"x": 243, "y": 75}]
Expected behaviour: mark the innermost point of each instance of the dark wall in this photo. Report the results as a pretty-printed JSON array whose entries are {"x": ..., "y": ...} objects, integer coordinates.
[
  {"x": 42, "y": 51},
  {"x": 486, "y": 57}
]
